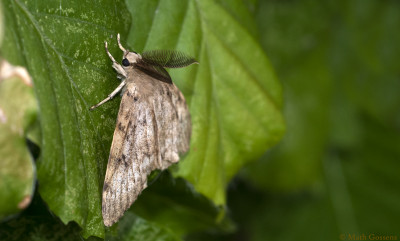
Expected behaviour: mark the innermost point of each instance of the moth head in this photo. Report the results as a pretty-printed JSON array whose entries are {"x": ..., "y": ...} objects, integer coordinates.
[{"x": 129, "y": 59}]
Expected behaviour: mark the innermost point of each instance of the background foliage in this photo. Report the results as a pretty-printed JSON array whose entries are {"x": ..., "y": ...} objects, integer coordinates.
[{"x": 335, "y": 172}]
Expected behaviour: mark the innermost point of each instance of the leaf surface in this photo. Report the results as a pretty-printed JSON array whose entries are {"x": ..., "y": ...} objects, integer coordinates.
[{"x": 17, "y": 169}]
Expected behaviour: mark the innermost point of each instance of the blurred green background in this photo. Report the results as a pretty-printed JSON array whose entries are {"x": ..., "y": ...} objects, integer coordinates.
[{"x": 335, "y": 174}]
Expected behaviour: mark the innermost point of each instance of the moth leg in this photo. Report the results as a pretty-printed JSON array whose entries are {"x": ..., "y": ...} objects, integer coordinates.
[
  {"x": 110, "y": 96},
  {"x": 115, "y": 64}
]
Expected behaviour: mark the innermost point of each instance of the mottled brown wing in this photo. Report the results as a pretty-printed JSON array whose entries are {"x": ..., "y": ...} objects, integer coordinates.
[{"x": 153, "y": 128}]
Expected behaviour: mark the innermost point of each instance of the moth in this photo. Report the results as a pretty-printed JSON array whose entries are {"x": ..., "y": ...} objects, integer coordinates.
[{"x": 153, "y": 125}]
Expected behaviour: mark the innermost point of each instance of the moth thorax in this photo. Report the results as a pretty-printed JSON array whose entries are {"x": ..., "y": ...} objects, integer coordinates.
[{"x": 132, "y": 57}]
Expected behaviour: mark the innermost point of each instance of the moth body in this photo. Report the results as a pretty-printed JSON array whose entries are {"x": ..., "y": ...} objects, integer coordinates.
[{"x": 153, "y": 126}]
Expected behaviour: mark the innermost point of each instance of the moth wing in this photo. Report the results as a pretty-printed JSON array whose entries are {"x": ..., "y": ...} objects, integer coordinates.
[
  {"x": 173, "y": 123},
  {"x": 153, "y": 127}
]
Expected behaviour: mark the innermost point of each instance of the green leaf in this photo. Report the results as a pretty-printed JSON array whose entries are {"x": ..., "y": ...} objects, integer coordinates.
[
  {"x": 1, "y": 24},
  {"x": 37, "y": 223},
  {"x": 233, "y": 95},
  {"x": 174, "y": 204},
  {"x": 17, "y": 169},
  {"x": 132, "y": 228},
  {"x": 62, "y": 45}
]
